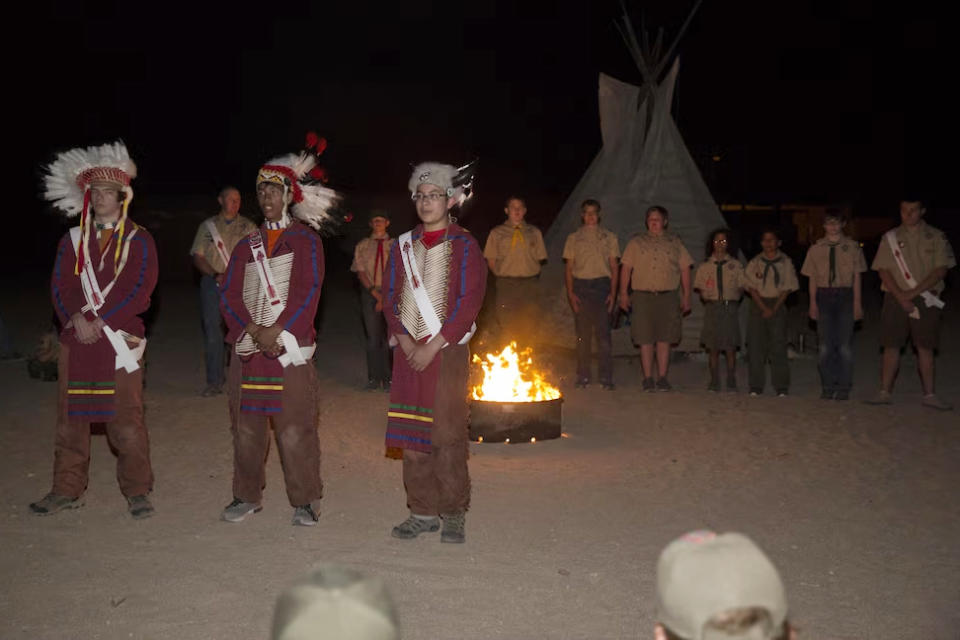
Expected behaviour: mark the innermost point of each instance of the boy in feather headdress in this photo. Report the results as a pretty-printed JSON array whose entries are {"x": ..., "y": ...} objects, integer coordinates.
[
  {"x": 269, "y": 300},
  {"x": 434, "y": 285},
  {"x": 104, "y": 272}
]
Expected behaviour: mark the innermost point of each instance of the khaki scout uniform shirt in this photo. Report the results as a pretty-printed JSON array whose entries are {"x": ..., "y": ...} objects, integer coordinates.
[
  {"x": 705, "y": 280},
  {"x": 848, "y": 261},
  {"x": 365, "y": 258},
  {"x": 753, "y": 276},
  {"x": 656, "y": 261},
  {"x": 232, "y": 232},
  {"x": 589, "y": 250},
  {"x": 924, "y": 248},
  {"x": 516, "y": 252}
]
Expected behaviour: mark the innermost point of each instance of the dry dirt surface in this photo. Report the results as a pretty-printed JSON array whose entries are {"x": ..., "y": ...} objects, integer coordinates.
[{"x": 857, "y": 505}]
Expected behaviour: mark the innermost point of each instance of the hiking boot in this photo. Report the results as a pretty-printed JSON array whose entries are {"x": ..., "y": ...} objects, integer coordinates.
[
  {"x": 386, "y": 385},
  {"x": 305, "y": 516},
  {"x": 663, "y": 385},
  {"x": 453, "y": 528},
  {"x": 238, "y": 510},
  {"x": 52, "y": 503},
  {"x": 731, "y": 383},
  {"x": 211, "y": 390},
  {"x": 648, "y": 385},
  {"x": 882, "y": 397},
  {"x": 714, "y": 386},
  {"x": 933, "y": 402},
  {"x": 372, "y": 385},
  {"x": 842, "y": 394},
  {"x": 414, "y": 526},
  {"x": 140, "y": 507}
]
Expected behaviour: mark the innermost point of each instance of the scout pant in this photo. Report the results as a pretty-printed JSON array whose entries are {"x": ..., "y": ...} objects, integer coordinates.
[
  {"x": 767, "y": 340},
  {"x": 835, "y": 335},
  {"x": 438, "y": 482},
  {"x": 213, "y": 350},
  {"x": 593, "y": 320},
  {"x": 295, "y": 428},
  {"x": 517, "y": 305},
  {"x": 126, "y": 433},
  {"x": 375, "y": 327}
]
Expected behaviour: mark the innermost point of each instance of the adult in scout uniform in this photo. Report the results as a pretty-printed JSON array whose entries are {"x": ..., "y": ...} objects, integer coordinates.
[
  {"x": 655, "y": 264},
  {"x": 912, "y": 261},
  {"x": 833, "y": 265},
  {"x": 591, "y": 274},
  {"x": 720, "y": 283},
  {"x": 434, "y": 284},
  {"x": 269, "y": 301},
  {"x": 369, "y": 260},
  {"x": 514, "y": 253},
  {"x": 212, "y": 245},
  {"x": 769, "y": 278},
  {"x": 103, "y": 275}
]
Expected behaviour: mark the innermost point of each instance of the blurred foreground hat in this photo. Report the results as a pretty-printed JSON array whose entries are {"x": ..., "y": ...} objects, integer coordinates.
[
  {"x": 702, "y": 574},
  {"x": 335, "y": 603}
]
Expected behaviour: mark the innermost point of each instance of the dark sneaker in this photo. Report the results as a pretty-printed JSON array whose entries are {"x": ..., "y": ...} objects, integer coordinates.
[
  {"x": 211, "y": 390},
  {"x": 609, "y": 386},
  {"x": 648, "y": 385},
  {"x": 372, "y": 385},
  {"x": 454, "y": 525},
  {"x": 386, "y": 385},
  {"x": 827, "y": 394},
  {"x": 731, "y": 384},
  {"x": 756, "y": 392},
  {"x": 663, "y": 385},
  {"x": 52, "y": 503},
  {"x": 714, "y": 386},
  {"x": 414, "y": 526},
  {"x": 933, "y": 402},
  {"x": 842, "y": 394},
  {"x": 238, "y": 510},
  {"x": 140, "y": 507},
  {"x": 582, "y": 383},
  {"x": 305, "y": 516},
  {"x": 781, "y": 393}
]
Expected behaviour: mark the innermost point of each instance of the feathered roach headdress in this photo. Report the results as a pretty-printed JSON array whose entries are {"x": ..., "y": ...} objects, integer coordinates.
[
  {"x": 303, "y": 185},
  {"x": 67, "y": 185},
  {"x": 457, "y": 181}
]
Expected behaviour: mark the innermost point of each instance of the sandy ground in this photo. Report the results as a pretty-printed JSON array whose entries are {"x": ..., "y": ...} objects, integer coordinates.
[{"x": 857, "y": 505}]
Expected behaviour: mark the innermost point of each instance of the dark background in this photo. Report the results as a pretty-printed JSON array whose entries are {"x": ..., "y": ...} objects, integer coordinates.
[{"x": 842, "y": 101}]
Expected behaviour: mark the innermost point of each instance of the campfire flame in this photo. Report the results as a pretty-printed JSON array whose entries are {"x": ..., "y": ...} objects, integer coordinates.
[{"x": 509, "y": 376}]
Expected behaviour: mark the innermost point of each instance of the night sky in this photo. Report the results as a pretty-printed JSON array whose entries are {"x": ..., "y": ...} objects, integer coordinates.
[{"x": 838, "y": 101}]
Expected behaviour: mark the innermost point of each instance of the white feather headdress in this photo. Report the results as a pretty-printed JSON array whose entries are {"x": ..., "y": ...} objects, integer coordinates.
[
  {"x": 69, "y": 176},
  {"x": 301, "y": 177}
]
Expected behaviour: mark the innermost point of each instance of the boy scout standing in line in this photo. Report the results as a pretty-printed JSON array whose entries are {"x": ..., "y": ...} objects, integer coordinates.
[
  {"x": 720, "y": 283},
  {"x": 514, "y": 253},
  {"x": 591, "y": 275},
  {"x": 912, "y": 261},
  {"x": 769, "y": 278},
  {"x": 660, "y": 265},
  {"x": 834, "y": 265},
  {"x": 369, "y": 259}
]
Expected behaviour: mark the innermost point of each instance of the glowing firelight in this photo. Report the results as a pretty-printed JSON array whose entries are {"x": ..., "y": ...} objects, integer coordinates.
[{"x": 509, "y": 376}]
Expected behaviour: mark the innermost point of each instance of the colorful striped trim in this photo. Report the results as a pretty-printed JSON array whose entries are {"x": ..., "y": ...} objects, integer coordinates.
[
  {"x": 406, "y": 438},
  {"x": 249, "y": 408},
  {"x": 408, "y": 416},
  {"x": 263, "y": 387},
  {"x": 74, "y": 383},
  {"x": 91, "y": 413},
  {"x": 410, "y": 407},
  {"x": 91, "y": 392},
  {"x": 262, "y": 379}
]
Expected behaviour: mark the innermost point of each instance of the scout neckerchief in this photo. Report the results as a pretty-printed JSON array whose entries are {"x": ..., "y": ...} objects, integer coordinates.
[
  {"x": 929, "y": 298},
  {"x": 218, "y": 242},
  {"x": 768, "y": 267},
  {"x": 379, "y": 262},
  {"x": 833, "y": 263},
  {"x": 293, "y": 353},
  {"x": 517, "y": 236},
  {"x": 720, "y": 264}
]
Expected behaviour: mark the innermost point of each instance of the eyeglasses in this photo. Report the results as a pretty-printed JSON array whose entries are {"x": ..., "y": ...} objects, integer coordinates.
[
  {"x": 720, "y": 241},
  {"x": 428, "y": 197}
]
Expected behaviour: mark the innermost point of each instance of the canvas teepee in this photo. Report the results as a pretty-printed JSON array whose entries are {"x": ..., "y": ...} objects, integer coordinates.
[{"x": 643, "y": 162}]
